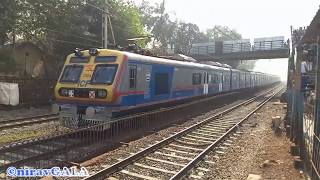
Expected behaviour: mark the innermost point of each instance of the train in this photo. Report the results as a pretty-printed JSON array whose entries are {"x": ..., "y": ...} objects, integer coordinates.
[{"x": 96, "y": 83}]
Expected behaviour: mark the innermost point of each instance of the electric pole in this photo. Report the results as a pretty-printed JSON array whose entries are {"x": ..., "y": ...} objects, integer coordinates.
[{"x": 105, "y": 26}]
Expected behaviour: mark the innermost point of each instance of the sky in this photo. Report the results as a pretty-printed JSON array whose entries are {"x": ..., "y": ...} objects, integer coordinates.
[
  {"x": 251, "y": 18},
  {"x": 273, "y": 66}
]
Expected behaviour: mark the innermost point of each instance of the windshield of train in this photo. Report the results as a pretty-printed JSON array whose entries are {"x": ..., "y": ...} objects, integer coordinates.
[
  {"x": 71, "y": 73},
  {"x": 104, "y": 74}
]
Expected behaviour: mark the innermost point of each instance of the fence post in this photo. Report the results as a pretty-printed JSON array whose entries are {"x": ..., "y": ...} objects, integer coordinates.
[
  {"x": 298, "y": 103},
  {"x": 316, "y": 150}
]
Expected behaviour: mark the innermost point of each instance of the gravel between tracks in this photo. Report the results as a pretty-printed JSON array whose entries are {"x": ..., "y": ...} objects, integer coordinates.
[
  {"x": 112, "y": 157},
  {"x": 24, "y": 112},
  {"x": 27, "y": 132},
  {"x": 18, "y": 134},
  {"x": 257, "y": 151}
]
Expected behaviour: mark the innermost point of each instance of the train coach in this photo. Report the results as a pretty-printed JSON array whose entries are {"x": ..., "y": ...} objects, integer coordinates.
[{"x": 96, "y": 83}]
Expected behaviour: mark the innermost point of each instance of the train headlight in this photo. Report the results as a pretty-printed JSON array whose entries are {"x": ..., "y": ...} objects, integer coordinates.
[
  {"x": 63, "y": 92},
  {"x": 101, "y": 93},
  {"x": 93, "y": 51},
  {"x": 78, "y": 52}
]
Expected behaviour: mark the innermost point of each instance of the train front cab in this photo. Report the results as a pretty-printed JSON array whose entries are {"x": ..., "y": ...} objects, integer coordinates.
[{"x": 86, "y": 87}]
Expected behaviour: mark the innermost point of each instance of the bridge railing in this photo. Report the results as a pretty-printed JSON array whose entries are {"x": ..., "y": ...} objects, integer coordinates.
[
  {"x": 269, "y": 45},
  {"x": 237, "y": 47},
  {"x": 203, "y": 50}
]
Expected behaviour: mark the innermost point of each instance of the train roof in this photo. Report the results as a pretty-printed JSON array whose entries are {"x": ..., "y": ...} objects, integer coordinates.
[{"x": 159, "y": 60}]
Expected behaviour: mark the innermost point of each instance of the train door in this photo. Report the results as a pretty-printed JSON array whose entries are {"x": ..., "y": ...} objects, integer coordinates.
[
  {"x": 225, "y": 82},
  {"x": 205, "y": 82},
  {"x": 209, "y": 81},
  {"x": 133, "y": 81},
  {"x": 161, "y": 82},
  {"x": 220, "y": 81}
]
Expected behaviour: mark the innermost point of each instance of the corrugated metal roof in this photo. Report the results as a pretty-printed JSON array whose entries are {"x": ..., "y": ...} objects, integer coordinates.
[{"x": 313, "y": 31}]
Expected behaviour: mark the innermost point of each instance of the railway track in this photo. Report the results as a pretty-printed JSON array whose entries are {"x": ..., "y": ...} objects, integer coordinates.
[
  {"x": 76, "y": 145},
  {"x": 26, "y": 121},
  {"x": 176, "y": 156}
]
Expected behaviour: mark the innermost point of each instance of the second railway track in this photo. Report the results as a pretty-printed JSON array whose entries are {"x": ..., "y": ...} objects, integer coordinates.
[
  {"x": 26, "y": 121},
  {"x": 176, "y": 156},
  {"x": 76, "y": 145}
]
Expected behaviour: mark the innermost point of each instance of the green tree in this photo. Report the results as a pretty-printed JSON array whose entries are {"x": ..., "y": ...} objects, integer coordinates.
[
  {"x": 158, "y": 24},
  {"x": 222, "y": 33},
  {"x": 126, "y": 20},
  {"x": 186, "y": 35},
  {"x": 59, "y": 26},
  {"x": 8, "y": 10}
]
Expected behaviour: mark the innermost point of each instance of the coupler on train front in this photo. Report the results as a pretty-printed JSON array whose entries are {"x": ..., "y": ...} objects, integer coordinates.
[{"x": 77, "y": 117}]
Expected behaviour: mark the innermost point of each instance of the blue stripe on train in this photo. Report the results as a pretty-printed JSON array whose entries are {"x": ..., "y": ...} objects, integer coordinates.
[
  {"x": 138, "y": 99},
  {"x": 135, "y": 99},
  {"x": 151, "y": 96}
]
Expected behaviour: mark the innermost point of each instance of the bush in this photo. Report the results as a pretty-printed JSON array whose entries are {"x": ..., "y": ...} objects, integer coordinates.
[{"x": 7, "y": 63}]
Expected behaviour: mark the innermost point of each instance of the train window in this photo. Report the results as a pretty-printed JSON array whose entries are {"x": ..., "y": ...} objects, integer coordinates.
[
  {"x": 196, "y": 78},
  {"x": 105, "y": 59},
  {"x": 104, "y": 74},
  {"x": 215, "y": 78},
  {"x": 212, "y": 78},
  {"x": 162, "y": 83},
  {"x": 71, "y": 73},
  {"x": 79, "y": 59},
  {"x": 226, "y": 78},
  {"x": 132, "y": 76}
]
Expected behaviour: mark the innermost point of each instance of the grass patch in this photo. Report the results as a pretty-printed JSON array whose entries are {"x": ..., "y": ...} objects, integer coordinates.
[{"x": 23, "y": 135}]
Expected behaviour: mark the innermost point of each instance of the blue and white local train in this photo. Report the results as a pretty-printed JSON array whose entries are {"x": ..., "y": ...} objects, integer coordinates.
[{"x": 97, "y": 82}]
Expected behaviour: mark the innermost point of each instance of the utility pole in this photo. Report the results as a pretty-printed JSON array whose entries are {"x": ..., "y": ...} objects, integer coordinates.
[
  {"x": 105, "y": 26},
  {"x": 114, "y": 40}
]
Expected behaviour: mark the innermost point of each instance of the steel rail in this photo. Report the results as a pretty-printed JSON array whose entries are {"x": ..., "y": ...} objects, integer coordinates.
[
  {"x": 127, "y": 161},
  {"x": 26, "y": 118},
  {"x": 137, "y": 115},
  {"x": 60, "y": 137},
  {"x": 79, "y": 132},
  {"x": 184, "y": 171},
  {"x": 27, "y": 121}
]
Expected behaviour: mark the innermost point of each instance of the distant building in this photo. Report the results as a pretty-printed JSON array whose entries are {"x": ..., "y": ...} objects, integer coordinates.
[{"x": 30, "y": 61}]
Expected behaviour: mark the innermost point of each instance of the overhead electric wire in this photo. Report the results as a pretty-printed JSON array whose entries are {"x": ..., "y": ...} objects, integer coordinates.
[
  {"x": 65, "y": 33},
  {"x": 69, "y": 42},
  {"x": 96, "y": 7}
]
